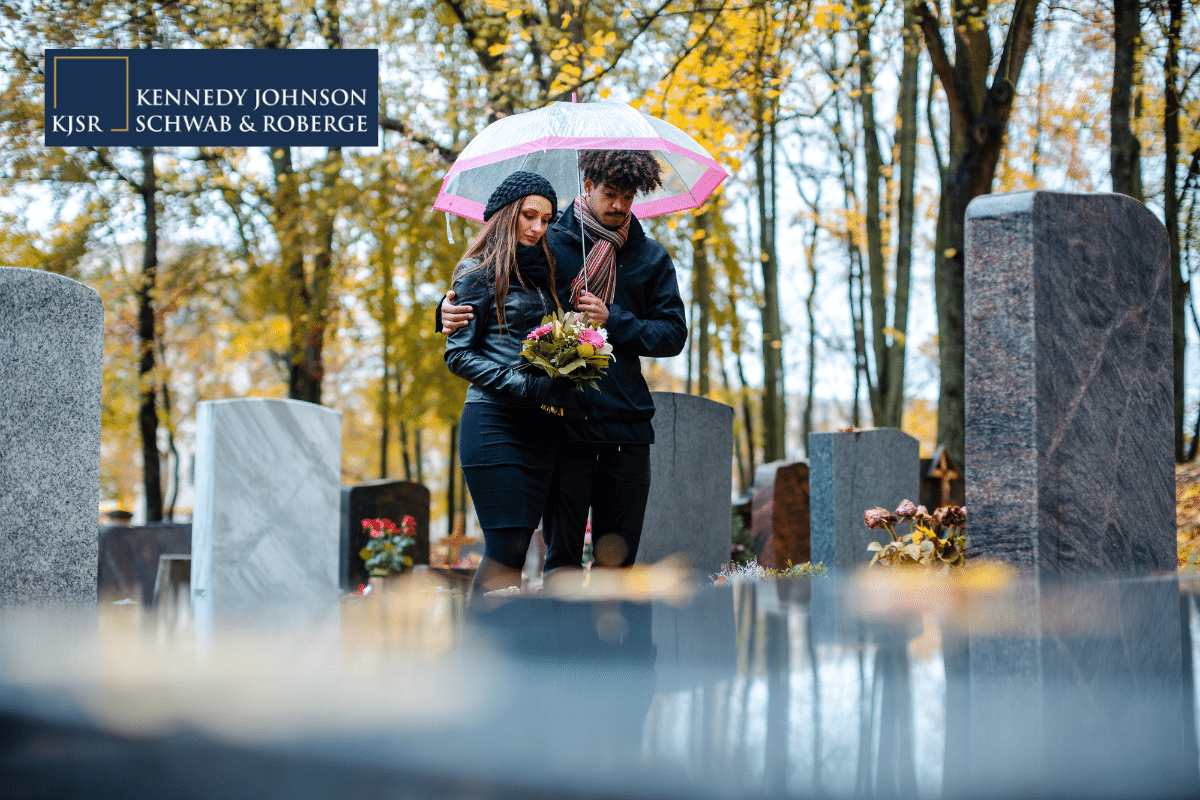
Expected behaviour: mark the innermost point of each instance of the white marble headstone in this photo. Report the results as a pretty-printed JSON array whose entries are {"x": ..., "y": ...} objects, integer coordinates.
[{"x": 265, "y": 525}]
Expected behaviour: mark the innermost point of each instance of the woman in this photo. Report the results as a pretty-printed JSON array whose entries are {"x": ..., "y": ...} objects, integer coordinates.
[{"x": 506, "y": 440}]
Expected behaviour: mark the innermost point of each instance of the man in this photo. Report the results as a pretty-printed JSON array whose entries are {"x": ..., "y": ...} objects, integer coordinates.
[{"x": 604, "y": 464}]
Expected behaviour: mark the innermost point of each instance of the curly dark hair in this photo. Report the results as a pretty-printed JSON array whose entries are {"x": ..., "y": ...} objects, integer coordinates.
[{"x": 623, "y": 170}]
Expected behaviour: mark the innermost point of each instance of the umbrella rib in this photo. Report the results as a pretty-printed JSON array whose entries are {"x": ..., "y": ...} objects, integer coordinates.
[{"x": 666, "y": 156}]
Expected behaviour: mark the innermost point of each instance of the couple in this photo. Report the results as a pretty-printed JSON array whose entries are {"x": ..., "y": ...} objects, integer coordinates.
[{"x": 521, "y": 463}]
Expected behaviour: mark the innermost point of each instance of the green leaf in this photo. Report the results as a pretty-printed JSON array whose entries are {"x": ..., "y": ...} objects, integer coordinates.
[{"x": 574, "y": 365}]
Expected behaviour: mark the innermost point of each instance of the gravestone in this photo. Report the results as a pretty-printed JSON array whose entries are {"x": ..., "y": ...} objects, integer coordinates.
[
  {"x": 1069, "y": 472},
  {"x": 691, "y": 482},
  {"x": 265, "y": 524},
  {"x": 1069, "y": 385},
  {"x": 385, "y": 499},
  {"x": 780, "y": 511},
  {"x": 51, "y": 343},
  {"x": 129, "y": 557},
  {"x": 850, "y": 472}
]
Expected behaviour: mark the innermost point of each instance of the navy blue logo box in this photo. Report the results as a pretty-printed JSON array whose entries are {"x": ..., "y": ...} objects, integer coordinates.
[{"x": 212, "y": 98}]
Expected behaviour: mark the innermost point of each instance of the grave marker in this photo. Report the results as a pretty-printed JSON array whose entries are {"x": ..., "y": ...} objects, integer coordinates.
[
  {"x": 850, "y": 472},
  {"x": 387, "y": 499},
  {"x": 51, "y": 345},
  {"x": 1069, "y": 385},
  {"x": 691, "y": 482},
  {"x": 781, "y": 517},
  {"x": 265, "y": 527},
  {"x": 1069, "y": 462}
]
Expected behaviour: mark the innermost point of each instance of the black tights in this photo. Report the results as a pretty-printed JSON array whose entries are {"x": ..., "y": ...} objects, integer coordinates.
[{"x": 507, "y": 546}]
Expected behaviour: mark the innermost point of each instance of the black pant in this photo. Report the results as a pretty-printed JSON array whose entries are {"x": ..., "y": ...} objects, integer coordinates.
[{"x": 614, "y": 482}]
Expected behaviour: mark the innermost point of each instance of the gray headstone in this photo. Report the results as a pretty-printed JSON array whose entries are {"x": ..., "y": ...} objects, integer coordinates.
[
  {"x": 850, "y": 472},
  {"x": 265, "y": 524},
  {"x": 380, "y": 499},
  {"x": 1069, "y": 385},
  {"x": 51, "y": 350},
  {"x": 691, "y": 481}
]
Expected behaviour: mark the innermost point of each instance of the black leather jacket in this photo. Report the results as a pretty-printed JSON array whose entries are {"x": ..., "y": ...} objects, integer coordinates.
[{"x": 481, "y": 354}]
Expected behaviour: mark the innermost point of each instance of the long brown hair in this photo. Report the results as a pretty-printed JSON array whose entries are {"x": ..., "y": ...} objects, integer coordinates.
[{"x": 495, "y": 249}]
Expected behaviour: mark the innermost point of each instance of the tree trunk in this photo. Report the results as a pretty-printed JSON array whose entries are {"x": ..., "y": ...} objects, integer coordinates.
[
  {"x": 772, "y": 341},
  {"x": 1124, "y": 157},
  {"x": 978, "y": 123},
  {"x": 893, "y": 401},
  {"x": 148, "y": 410},
  {"x": 873, "y": 221},
  {"x": 1179, "y": 285},
  {"x": 810, "y": 315},
  {"x": 387, "y": 321},
  {"x": 408, "y": 473},
  {"x": 702, "y": 289},
  {"x": 418, "y": 459}
]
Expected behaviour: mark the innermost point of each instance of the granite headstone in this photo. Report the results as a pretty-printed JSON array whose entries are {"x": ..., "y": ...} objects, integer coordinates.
[
  {"x": 129, "y": 557},
  {"x": 1069, "y": 473},
  {"x": 1069, "y": 384},
  {"x": 850, "y": 472},
  {"x": 265, "y": 525},
  {"x": 51, "y": 346},
  {"x": 691, "y": 482},
  {"x": 372, "y": 500},
  {"x": 781, "y": 517}
]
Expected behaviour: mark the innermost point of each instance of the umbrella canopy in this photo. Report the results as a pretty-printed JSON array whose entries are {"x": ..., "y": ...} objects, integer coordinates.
[{"x": 547, "y": 142}]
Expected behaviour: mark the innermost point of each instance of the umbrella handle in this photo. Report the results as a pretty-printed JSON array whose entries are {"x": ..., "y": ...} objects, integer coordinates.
[{"x": 582, "y": 242}]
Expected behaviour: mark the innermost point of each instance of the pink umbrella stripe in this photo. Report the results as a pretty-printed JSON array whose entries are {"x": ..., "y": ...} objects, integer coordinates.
[
  {"x": 470, "y": 209},
  {"x": 653, "y": 208},
  {"x": 680, "y": 202},
  {"x": 577, "y": 143}
]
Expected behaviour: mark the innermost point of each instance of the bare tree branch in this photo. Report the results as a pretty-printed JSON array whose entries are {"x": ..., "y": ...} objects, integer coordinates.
[{"x": 447, "y": 154}]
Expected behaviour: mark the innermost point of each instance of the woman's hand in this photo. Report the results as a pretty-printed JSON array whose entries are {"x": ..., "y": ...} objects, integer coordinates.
[
  {"x": 453, "y": 317},
  {"x": 597, "y": 309}
]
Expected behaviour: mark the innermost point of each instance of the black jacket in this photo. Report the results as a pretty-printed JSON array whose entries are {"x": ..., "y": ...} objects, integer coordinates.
[
  {"x": 645, "y": 318},
  {"x": 479, "y": 353}
]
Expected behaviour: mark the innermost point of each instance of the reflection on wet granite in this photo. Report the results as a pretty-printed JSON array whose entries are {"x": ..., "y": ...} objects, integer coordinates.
[{"x": 825, "y": 687}]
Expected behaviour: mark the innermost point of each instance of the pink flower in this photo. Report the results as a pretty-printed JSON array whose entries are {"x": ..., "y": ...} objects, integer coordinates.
[
  {"x": 878, "y": 518},
  {"x": 591, "y": 336},
  {"x": 906, "y": 509},
  {"x": 540, "y": 331}
]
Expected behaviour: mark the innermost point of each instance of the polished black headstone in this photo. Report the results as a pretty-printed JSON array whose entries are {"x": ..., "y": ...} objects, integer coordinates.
[{"x": 372, "y": 500}]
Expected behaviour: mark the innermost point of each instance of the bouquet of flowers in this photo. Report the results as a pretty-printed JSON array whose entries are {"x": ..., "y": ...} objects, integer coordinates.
[
  {"x": 384, "y": 553},
  {"x": 934, "y": 540},
  {"x": 568, "y": 345}
]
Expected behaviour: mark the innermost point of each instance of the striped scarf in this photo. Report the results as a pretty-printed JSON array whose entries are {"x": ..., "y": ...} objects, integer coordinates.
[{"x": 600, "y": 268}]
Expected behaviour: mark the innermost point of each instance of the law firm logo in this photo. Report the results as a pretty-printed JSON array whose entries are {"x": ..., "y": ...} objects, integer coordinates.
[
  {"x": 92, "y": 88},
  {"x": 211, "y": 98}
]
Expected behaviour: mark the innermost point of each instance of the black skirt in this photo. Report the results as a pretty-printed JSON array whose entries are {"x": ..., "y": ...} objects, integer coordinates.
[{"x": 507, "y": 455}]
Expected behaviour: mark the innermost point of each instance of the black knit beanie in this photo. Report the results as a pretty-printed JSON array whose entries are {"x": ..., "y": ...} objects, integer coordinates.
[{"x": 518, "y": 186}]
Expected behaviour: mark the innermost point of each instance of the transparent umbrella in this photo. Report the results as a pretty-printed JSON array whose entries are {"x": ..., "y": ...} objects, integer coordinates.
[{"x": 547, "y": 141}]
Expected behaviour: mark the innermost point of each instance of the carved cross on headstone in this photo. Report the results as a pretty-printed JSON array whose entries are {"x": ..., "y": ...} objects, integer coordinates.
[{"x": 946, "y": 471}]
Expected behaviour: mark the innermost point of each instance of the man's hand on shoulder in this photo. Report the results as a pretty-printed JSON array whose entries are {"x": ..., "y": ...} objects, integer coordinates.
[{"x": 453, "y": 317}]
